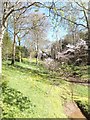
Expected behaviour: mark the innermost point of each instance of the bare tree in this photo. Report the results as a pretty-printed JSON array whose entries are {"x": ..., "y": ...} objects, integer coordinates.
[
  {"x": 6, "y": 9},
  {"x": 18, "y": 23},
  {"x": 38, "y": 32}
]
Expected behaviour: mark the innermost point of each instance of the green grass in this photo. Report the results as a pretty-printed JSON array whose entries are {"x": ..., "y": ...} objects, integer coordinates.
[{"x": 39, "y": 86}]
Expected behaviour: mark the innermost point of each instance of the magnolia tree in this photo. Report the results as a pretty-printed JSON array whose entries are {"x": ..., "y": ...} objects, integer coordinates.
[
  {"x": 74, "y": 13},
  {"x": 73, "y": 53},
  {"x": 49, "y": 63}
]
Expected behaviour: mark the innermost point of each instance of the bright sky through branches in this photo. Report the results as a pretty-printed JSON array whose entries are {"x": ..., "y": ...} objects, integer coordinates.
[
  {"x": 47, "y": 0},
  {"x": 61, "y": 32}
]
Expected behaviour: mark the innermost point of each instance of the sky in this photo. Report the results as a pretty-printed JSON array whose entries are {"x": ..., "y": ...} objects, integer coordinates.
[
  {"x": 45, "y": 0},
  {"x": 51, "y": 33}
]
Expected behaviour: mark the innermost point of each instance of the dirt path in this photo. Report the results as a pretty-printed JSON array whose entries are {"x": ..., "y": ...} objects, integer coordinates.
[
  {"x": 78, "y": 81},
  {"x": 73, "y": 112}
]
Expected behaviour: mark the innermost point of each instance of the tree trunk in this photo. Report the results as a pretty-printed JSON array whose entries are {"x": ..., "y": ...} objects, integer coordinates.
[
  {"x": 88, "y": 42},
  {"x": 88, "y": 59},
  {"x": 14, "y": 50},
  {"x": 2, "y": 29},
  {"x": 0, "y": 58},
  {"x": 37, "y": 50},
  {"x": 0, "y": 51},
  {"x": 36, "y": 57},
  {"x": 14, "y": 43},
  {"x": 30, "y": 57},
  {"x": 20, "y": 57},
  {"x": 1, "y": 37}
]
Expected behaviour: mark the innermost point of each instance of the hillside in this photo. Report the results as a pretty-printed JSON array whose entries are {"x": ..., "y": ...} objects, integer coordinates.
[{"x": 30, "y": 91}]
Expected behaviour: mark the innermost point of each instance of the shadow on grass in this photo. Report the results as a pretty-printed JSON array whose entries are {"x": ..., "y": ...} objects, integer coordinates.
[
  {"x": 30, "y": 71},
  {"x": 84, "y": 107},
  {"x": 15, "y": 98},
  {"x": 39, "y": 70},
  {"x": 50, "y": 77}
]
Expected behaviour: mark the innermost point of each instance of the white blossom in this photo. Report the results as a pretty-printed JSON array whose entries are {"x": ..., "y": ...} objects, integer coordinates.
[{"x": 70, "y": 46}]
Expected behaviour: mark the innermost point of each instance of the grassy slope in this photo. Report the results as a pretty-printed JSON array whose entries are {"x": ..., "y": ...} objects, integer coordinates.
[{"x": 34, "y": 82}]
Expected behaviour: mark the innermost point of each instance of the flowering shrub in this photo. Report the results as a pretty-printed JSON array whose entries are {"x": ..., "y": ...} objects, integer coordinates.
[
  {"x": 81, "y": 43},
  {"x": 50, "y": 64},
  {"x": 74, "y": 53}
]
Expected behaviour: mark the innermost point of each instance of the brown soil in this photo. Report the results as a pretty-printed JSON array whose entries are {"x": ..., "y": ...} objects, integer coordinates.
[{"x": 73, "y": 112}]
